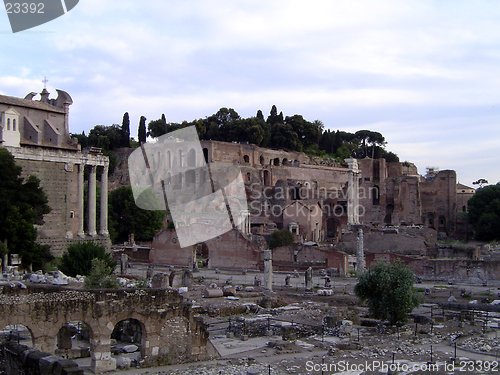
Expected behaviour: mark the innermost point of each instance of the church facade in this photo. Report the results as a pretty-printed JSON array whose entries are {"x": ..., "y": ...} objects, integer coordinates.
[{"x": 36, "y": 133}]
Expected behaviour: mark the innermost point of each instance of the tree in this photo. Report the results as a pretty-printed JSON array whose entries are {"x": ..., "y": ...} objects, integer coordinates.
[
  {"x": 141, "y": 132},
  {"x": 484, "y": 213},
  {"x": 22, "y": 206},
  {"x": 101, "y": 276},
  {"x": 126, "y": 218},
  {"x": 105, "y": 137},
  {"x": 125, "y": 131},
  {"x": 78, "y": 258},
  {"x": 389, "y": 292},
  {"x": 280, "y": 238},
  {"x": 480, "y": 182},
  {"x": 157, "y": 128}
]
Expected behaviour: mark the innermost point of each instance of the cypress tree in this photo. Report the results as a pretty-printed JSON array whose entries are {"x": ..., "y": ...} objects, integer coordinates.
[
  {"x": 125, "y": 136},
  {"x": 142, "y": 130}
]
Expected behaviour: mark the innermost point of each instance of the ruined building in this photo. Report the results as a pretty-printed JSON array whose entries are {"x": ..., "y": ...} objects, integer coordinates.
[{"x": 36, "y": 133}]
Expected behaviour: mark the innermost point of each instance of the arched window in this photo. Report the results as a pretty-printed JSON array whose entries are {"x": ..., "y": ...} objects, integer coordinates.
[
  {"x": 180, "y": 158},
  {"x": 14, "y": 124},
  {"x": 261, "y": 160},
  {"x": 246, "y": 159},
  {"x": 191, "y": 162},
  {"x": 8, "y": 124}
]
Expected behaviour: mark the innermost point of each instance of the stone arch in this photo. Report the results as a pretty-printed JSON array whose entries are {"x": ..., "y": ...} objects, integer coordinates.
[
  {"x": 261, "y": 160},
  {"x": 246, "y": 159},
  {"x": 191, "y": 158},
  {"x": 284, "y": 161},
  {"x": 18, "y": 333},
  {"x": 130, "y": 330},
  {"x": 276, "y": 162}
]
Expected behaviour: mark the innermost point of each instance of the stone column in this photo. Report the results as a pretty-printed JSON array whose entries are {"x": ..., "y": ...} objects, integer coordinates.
[
  {"x": 92, "y": 201},
  {"x": 100, "y": 353},
  {"x": 309, "y": 280},
  {"x": 81, "y": 232},
  {"x": 104, "y": 202},
  {"x": 268, "y": 270},
  {"x": 352, "y": 192},
  {"x": 360, "y": 253}
]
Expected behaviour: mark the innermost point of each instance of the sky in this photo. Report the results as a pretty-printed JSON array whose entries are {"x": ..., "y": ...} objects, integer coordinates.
[{"x": 425, "y": 74}]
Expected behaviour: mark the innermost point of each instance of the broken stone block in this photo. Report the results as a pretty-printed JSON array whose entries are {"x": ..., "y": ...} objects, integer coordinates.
[
  {"x": 123, "y": 362},
  {"x": 130, "y": 348}
]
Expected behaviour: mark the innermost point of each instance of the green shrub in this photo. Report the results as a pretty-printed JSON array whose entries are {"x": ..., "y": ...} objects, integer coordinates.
[
  {"x": 78, "y": 259},
  {"x": 101, "y": 276}
]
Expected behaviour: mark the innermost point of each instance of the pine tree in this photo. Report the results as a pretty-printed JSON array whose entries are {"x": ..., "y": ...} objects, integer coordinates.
[{"x": 125, "y": 136}]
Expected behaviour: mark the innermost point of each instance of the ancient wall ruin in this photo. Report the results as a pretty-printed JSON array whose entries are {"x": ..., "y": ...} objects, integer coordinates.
[{"x": 162, "y": 314}]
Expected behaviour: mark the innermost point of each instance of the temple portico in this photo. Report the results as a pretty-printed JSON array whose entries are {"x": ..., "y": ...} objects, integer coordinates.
[{"x": 62, "y": 175}]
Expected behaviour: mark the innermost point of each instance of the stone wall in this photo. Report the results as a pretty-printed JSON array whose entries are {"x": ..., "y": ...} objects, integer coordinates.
[
  {"x": 45, "y": 313},
  {"x": 439, "y": 201},
  {"x": 404, "y": 241},
  {"x": 298, "y": 256}
]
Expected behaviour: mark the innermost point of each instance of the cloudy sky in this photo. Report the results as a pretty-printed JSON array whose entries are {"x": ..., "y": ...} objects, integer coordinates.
[{"x": 426, "y": 74}]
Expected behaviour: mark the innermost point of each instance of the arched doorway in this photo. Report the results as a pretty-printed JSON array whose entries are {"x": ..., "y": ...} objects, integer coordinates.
[
  {"x": 261, "y": 160},
  {"x": 202, "y": 255},
  {"x": 430, "y": 220},
  {"x": 205, "y": 154},
  {"x": 267, "y": 178},
  {"x": 389, "y": 210},
  {"x": 129, "y": 337},
  {"x": 331, "y": 228},
  {"x": 442, "y": 224},
  {"x": 246, "y": 159}
]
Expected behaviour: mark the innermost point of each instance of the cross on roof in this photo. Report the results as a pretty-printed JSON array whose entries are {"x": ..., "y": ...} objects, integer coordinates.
[{"x": 45, "y": 80}]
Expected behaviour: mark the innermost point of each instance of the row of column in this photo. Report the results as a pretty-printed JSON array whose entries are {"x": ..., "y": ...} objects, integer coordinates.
[{"x": 92, "y": 198}]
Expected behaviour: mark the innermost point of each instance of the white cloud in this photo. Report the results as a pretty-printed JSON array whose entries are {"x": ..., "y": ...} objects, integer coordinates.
[{"x": 425, "y": 74}]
